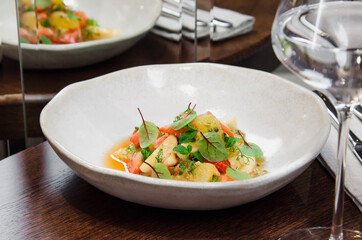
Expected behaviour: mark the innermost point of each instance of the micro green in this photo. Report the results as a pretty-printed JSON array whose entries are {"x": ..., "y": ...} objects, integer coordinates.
[
  {"x": 161, "y": 170},
  {"x": 182, "y": 149},
  {"x": 45, "y": 40},
  {"x": 190, "y": 110},
  {"x": 212, "y": 147},
  {"x": 215, "y": 179},
  {"x": 177, "y": 125},
  {"x": 145, "y": 154},
  {"x": 230, "y": 141},
  {"x": 190, "y": 128},
  {"x": 159, "y": 156},
  {"x": 43, "y": 3},
  {"x": 251, "y": 150},
  {"x": 92, "y": 22},
  {"x": 45, "y": 23},
  {"x": 187, "y": 165},
  {"x": 198, "y": 156},
  {"x": 148, "y": 132},
  {"x": 153, "y": 169},
  {"x": 247, "y": 144},
  {"x": 187, "y": 136},
  {"x": 72, "y": 16},
  {"x": 23, "y": 40},
  {"x": 236, "y": 174}
]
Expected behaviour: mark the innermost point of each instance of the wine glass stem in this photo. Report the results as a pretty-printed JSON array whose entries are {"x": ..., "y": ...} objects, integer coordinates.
[{"x": 345, "y": 113}]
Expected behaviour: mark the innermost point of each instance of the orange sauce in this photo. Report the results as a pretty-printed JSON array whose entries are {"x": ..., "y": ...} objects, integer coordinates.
[{"x": 109, "y": 162}]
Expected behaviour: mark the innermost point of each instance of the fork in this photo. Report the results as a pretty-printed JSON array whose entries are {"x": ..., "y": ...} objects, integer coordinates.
[{"x": 358, "y": 111}]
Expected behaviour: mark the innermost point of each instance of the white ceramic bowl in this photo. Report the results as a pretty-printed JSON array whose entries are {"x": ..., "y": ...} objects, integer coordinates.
[
  {"x": 86, "y": 119},
  {"x": 133, "y": 17}
]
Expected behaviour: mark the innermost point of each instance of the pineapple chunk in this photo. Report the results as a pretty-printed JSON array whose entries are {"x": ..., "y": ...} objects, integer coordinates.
[
  {"x": 205, "y": 172},
  {"x": 207, "y": 123},
  {"x": 28, "y": 20},
  {"x": 60, "y": 20},
  {"x": 162, "y": 153},
  {"x": 96, "y": 33},
  {"x": 125, "y": 154}
]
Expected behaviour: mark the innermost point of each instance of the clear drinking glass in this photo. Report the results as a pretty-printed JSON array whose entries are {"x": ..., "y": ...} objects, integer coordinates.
[{"x": 321, "y": 41}]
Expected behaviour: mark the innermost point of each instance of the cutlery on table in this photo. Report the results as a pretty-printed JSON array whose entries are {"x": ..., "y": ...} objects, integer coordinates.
[
  {"x": 358, "y": 111},
  {"x": 167, "y": 12},
  {"x": 353, "y": 141}
]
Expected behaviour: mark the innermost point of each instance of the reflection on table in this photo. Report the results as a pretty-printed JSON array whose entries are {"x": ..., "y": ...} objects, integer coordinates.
[
  {"x": 250, "y": 50},
  {"x": 43, "y": 198}
]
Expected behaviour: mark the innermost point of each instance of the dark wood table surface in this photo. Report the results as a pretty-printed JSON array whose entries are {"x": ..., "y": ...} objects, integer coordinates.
[
  {"x": 41, "y": 198},
  {"x": 250, "y": 50}
]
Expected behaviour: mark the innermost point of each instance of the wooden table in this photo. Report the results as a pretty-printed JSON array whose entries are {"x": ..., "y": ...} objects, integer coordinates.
[
  {"x": 41, "y": 198},
  {"x": 252, "y": 50}
]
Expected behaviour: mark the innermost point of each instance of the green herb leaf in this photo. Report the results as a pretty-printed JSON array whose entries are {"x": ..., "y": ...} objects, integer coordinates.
[
  {"x": 72, "y": 16},
  {"x": 215, "y": 179},
  {"x": 159, "y": 156},
  {"x": 190, "y": 128},
  {"x": 23, "y": 40},
  {"x": 198, "y": 156},
  {"x": 189, "y": 148},
  {"x": 147, "y": 137},
  {"x": 161, "y": 170},
  {"x": 45, "y": 40},
  {"x": 212, "y": 147},
  {"x": 254, "y": 150},
  {"x": 92, "y": 22},
  {"x": 43, "y": 3},
  {"x": 145, "y": 154},
  {"x": 45, "y": 23},
  {"x": 183, "y": 122},
  {"x": 187, "y": 137},
  {"x": 230, "y": 141},
  {"x": 181, "y": 149},
  {"x": 236, "y": 174}
]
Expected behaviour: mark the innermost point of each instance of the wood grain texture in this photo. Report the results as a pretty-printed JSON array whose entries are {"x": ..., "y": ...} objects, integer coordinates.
[{"x": 41, "y": 198}]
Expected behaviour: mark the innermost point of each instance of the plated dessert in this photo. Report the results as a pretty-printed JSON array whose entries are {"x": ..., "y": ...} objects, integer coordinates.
[
  {"x": 194, "y": 147},
  {"x": 52, "y": 22}
]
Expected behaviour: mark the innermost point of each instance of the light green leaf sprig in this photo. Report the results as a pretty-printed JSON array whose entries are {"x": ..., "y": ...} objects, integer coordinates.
[
  {"x": 236, "y": 174},
  {"x": 183, "y": 122},
  {"x": 212, "y": 147},
  {"x": 148, "y": 134},
  {"x": 251, "y": 150},
  {"x": 162, "y": 171}
]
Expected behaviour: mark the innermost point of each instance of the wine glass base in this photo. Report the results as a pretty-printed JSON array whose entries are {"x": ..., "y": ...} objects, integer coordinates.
[{"x": 320, "y": 233}]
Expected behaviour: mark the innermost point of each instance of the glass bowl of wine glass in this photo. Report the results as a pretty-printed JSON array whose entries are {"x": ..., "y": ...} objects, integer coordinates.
[{"x": 321, "y": 41}]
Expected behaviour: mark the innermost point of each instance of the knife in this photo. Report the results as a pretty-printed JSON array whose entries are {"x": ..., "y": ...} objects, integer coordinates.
[
  {"x": 353, "y": 141},
  {"x": 358, "y": 111}
]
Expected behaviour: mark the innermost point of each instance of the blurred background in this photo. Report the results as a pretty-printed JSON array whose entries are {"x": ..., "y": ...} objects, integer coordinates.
[{"x": 49, "y": 44}]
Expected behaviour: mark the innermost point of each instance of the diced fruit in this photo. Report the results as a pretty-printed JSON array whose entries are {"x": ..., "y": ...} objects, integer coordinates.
[
  {"x": 28, "y": 20},
  {"x": 169, "y": 130},
  {"x": 83, "y": 18},
  {"x": 60, "y": 19},
  {"x": 205, "y": 172},
  {"x": 225, "y": 178},
  {"x": 96, "y": 33},
  {"x": 167, "y": 149},
  {"x": 135, "y": 163},
  {"x": 221, "y": 166},
  {"x": 135, "y": 139},
  {"x": 207, "y": 123}
]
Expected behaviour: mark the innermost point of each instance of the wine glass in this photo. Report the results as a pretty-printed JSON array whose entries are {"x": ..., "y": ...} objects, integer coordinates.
[{"x": 321, "y": 41}]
